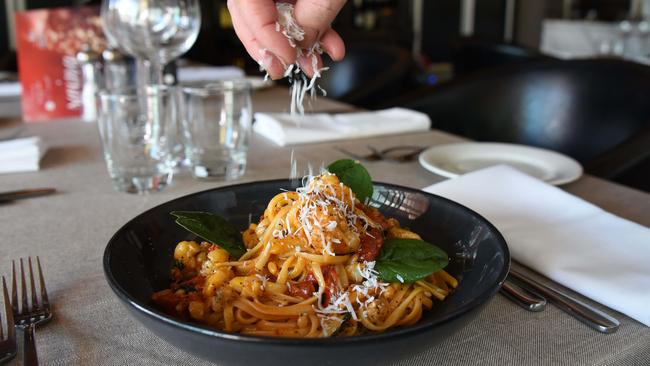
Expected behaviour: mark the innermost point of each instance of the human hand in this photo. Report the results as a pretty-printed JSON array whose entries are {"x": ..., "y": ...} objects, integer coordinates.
[{"x": 254, "y": 22}]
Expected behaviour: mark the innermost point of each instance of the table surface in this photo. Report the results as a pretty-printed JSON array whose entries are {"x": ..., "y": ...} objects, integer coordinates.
[{"x": 69, "y": 232}]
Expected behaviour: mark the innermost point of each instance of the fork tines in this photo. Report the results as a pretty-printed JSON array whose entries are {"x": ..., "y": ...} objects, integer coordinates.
[
  {"x": 7, "y": 345},
  {"x": 34, "y": 305}
]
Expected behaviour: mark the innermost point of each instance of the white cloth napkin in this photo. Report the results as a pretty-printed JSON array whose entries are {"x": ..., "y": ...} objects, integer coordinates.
[
  {"x": 10, "y": 89},
  {"x": 192, "y": 74},
  {"x": 21, "y": 155},
  {"x": 286, "y": 129},
  {"x": 571, "y": 241}
]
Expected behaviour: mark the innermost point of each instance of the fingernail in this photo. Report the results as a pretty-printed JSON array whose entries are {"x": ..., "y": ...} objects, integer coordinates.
[
  {"x": 273, "y": 66},
  {"x": 266, "y": 60},
  {"x": 309, "y": 65}
]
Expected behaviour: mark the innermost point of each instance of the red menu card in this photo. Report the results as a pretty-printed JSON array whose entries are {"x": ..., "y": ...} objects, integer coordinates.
[{"x": 47, "y": 41}]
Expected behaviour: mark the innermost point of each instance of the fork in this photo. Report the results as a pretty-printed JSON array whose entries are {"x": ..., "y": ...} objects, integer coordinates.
[
  {"x": 373, "y": 156},
  {"x": 411, "y": 152},
  {"x": 28, "y": 317},
  {"x": 8, "y": 345}
]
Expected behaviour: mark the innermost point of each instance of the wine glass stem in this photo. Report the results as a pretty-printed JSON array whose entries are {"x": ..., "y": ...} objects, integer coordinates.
[
  {"x": 148, "y": 73},
  {"x": 156, "y": 75},
  {"x": 142, "y": 72}
]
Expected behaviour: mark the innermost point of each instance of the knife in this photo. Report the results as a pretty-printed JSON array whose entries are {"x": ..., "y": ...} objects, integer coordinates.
[
  {"x": 522, "y": 296},
  {"x": 586, "y": 313},
  {"x": 25, "y": 193}
]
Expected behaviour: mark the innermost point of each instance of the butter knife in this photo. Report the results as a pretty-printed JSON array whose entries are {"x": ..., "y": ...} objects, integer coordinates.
[
  {"x": 25, "y": 193},
  {"x": 586, "y": 313},
  {"x": 523, "y": 297}
]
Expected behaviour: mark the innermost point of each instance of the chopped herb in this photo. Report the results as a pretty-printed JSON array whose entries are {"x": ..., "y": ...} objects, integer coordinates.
[
  {"x": 362, "y": 330},
  {"x": 188, "y": 288},
  {"x": 178, "y": 264},
  {"x": 344, "y": 324}
]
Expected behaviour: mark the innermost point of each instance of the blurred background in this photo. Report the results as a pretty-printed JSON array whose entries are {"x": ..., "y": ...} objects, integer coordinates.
[
  {"x": 432, "y": 31},
  {"x": 568, "y": 75}
]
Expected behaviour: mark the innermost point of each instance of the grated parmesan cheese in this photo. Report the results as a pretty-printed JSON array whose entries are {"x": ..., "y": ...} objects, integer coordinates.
[
  {"x": 339, "y": 304},
  {"x": 293, "y": 174},
  {"x": 370, "y": 284},
  {"x": 331, "y": 226},
  {"x": 314, "y": 196},
  {"x": 263, "y": 279},
  {"x": 300, "y": 85}
]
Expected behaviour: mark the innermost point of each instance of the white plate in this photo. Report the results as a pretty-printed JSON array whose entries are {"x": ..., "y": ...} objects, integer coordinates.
[{"x": 455, "y": 159}]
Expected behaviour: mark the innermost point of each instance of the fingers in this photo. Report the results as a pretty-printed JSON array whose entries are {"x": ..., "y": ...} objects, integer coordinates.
[
  {"x": 332, "y": 43},
  {"x": 255, "y": 24},
  {"x": 245, "y": 36},
  {"x": 254, "y": 47},
  {"x": 307, "y": 64},
  {"x": 315, "y": 17},
  {"x": 259, "y": 17}
]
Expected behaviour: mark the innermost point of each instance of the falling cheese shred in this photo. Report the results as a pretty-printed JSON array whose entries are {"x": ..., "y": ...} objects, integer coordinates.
[{"x": 300, "y": 83}]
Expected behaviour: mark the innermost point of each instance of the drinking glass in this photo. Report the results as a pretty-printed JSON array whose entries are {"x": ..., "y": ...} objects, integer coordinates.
[
  {"x": 217, "y": 122},
  {"x": 136, "y": 128},
  {"x": 155, "y": 32}
]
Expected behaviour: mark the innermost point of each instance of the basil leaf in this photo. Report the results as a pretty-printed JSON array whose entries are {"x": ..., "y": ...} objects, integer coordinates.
[
  {"x": 212, "y": 228},
  {"x": 354, "y": 175},
  {"x": 409, "y": 260}
]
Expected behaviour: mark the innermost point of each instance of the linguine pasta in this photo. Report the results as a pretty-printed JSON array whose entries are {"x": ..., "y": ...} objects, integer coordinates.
[{"x": 308, "y": 271}]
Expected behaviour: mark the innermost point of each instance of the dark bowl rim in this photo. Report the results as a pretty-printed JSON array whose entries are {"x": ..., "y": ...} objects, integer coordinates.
[{"x": 155, "y": 314}]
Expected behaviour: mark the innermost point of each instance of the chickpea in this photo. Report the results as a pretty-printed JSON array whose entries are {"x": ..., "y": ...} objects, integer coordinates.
[
  {"x": 218, "y": 256},
  {"x": 214, "y": 281},
  {"x": 194, "y": 248},
  {"x": 201, "y": 257},
  {"x": 185, "y": 252},
  {"x": 354, "y": 274},
  {"x": 273, "y": 268},
  {"x": 378, "y": 310},
  {"x": 389, "y": 292},
  {"x": 181, "y": 250},
  {"x": 213, "y": 319},
  {"x": 249, "y": 236},
  {"x": 237, "y": 283},
  {"x": 216, "y": 303},
  {"x": 197, "y": 310}
]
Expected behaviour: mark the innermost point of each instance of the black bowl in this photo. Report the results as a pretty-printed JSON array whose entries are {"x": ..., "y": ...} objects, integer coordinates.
[{"x": 138, "y": 259}]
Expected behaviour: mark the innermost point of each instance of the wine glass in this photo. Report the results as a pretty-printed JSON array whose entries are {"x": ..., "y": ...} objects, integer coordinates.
[{"x": 155, "y": 32}]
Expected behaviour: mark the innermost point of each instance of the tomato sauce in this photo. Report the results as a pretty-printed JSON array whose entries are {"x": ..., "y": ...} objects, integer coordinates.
[{"x": 370, "y": 244}]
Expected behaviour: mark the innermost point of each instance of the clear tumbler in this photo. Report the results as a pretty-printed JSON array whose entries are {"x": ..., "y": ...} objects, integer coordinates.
[
  {"x": 217, "y": 120},
  {"x": 137, "y": 131}
]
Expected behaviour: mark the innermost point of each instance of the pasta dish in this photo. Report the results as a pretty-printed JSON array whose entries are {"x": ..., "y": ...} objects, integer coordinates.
[{"x": 319, "y": 263}]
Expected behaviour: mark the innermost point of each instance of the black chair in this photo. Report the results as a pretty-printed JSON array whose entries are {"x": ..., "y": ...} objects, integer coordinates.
[
  {"x": 597, "y": 111},
  {"x": 471, "y": 55},
  {"x": 369, "y": 75}
]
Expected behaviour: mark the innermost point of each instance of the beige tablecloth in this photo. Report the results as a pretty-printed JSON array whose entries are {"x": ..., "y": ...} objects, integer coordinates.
[{"x": 90, "y": 327}]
